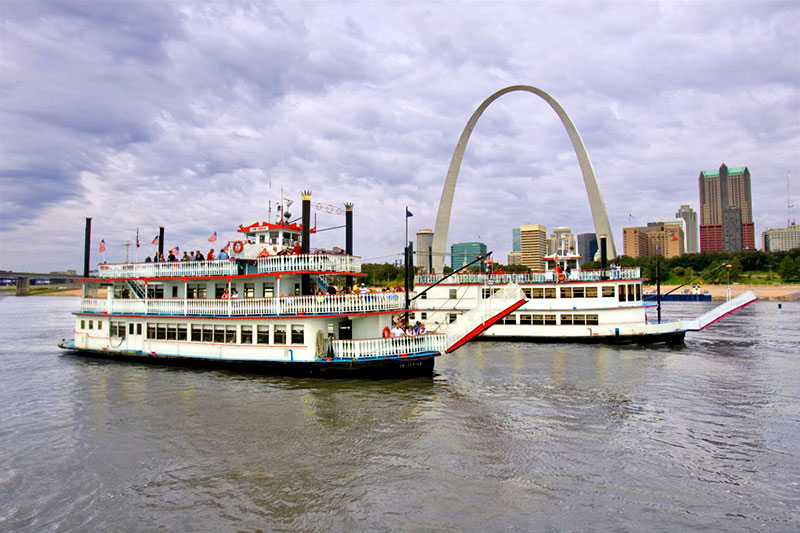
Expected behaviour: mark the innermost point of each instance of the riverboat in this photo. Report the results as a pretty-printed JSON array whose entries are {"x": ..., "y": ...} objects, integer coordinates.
[
  {"x": 562, "y": 305},
  {"x": 285, "y": 319}
]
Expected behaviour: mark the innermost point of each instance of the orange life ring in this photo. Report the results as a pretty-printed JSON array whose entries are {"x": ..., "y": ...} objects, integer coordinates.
[
  {"x": 561, "y": 276},
  {"x": 387, "y": 332},
  {"x": 238, "y": 246}
]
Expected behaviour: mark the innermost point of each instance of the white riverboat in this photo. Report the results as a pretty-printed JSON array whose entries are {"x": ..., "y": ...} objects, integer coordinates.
[
  {"x": 284, "y": 320},
  {"x": 575, "y": 306}
]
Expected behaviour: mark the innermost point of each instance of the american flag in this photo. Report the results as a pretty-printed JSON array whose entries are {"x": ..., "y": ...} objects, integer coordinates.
[
  {"x": 103, "y": 245},
  {"x": 175, "y": 250},
  {"x": 155, "y": 239},
  {"x": 213, "y": 237}
]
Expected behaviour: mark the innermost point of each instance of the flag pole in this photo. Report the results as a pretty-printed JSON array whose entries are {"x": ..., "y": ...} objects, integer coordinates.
[{"x": 405, "y": 244}]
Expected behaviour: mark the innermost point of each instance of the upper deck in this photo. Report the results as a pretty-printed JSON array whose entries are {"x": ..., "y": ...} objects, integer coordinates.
[
  {"x": 480, "y": 278},
  {"x": 311, "y": 263}
]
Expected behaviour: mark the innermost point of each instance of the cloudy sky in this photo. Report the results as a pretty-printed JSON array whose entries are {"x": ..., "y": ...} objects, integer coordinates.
[{"x": 194, "y": 115}]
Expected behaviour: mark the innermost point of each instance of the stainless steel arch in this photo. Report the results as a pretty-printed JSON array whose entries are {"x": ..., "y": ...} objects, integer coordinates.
[{"x": 599, "y": 214}]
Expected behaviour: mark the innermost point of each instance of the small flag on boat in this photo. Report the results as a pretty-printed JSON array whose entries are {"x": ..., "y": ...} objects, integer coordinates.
[
  {"x": 213, "y": 237},
  {"x": 175, "y": 251},
  {"x": 408, "y": 213},
  {"x": 155, "y": 239},
  {"x": 137, "y": 237},
  {"x": 103, "y": 245}
]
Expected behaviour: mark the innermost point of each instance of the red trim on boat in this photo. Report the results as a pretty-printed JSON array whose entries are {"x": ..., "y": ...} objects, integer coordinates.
[{"x": 486, "y": 325}]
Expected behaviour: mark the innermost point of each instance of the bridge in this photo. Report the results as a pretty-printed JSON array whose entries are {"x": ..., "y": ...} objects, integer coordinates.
[{"x": 23, "y": 279}]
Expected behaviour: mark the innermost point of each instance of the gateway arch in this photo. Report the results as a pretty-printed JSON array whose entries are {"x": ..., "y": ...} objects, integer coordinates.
[{"x": 599, "y": 214}]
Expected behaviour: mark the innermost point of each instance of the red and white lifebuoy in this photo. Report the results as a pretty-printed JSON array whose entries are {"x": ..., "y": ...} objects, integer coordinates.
[
  {"x": 387, "y": 332},
  {"x": 561, "y": 276},
  {"x": 238, "y": 246}
]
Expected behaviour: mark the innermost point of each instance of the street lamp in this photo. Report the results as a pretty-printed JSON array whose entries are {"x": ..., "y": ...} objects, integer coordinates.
[{"x": 728, "y": 272}]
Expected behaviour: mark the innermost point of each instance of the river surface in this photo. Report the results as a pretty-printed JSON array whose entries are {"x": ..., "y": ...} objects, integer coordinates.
[{"x": 505, "y": 437}]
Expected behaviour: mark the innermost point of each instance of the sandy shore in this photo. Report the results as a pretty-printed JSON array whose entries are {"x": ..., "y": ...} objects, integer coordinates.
[{"x": 719, "y": 292}]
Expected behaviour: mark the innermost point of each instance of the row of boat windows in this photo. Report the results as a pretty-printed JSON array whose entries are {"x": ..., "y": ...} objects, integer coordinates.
[
  {"x": 630, "y": 292},
  {"x": 198, "y": 291},
  {"x": 550, "y": 320},
  {"x": 280, "y": 334}
]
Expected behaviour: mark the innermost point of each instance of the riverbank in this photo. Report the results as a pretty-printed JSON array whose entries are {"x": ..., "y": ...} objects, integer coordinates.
[{"x": 719, "y": 292}]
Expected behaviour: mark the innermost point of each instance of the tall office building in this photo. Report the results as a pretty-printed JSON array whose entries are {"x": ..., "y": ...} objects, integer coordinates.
[
  {"x": 782, "y": 239},
  {"x": 726, "y": 210},
  {"x": 587, "y": 246},
  {"x": 561, "y": 241},
  {"x": 514, "y": 258},
  {"x": 424, "y": 245},
  {"x": 515, "y": 241},
  {"x": 689, "y": 215},
  {"x": 463, "y": 252},
  {"x": 680, "y": 222},
  {"x": 533, "y": 244},
  {"x": 655, "y": 239}
]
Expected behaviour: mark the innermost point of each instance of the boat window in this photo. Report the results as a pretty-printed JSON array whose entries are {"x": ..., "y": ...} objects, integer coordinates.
[
  {"x": 423, "y": 316},
  {"x": 130, "y": 328},
  {"x": 577, "y": 292},
  {"x": 219, "y": 288},
  {"x": 537, "y": 319},
  {"x": 424, "y": 296},
  {"x": 117, "y": 329},
  {"x": 550, "y": 292},
  {"x": 631, "y": 292},
  {"x": 527, "y": 292},
  {"x": 608, "y": 291},
  {"x": 172, "y": 332},
  {"x": 197, "y": 333},
  {"x": 91, "y": 323},
  {"x": 451, "y": 317},
  {"x": 262, "y": 238},
  {"x": 550, "y": 320},
  {"x": 485, "y": 293},
  {"x": 262, "y": 336},
  {"x": 174, "y": 291},
  {"x": 566, "y": 320},
  {"x": 138, "y": 329},
  {"x": 208, "y": 333},
  {"x": 591, "y": 320},
  {"x": 246, "y": 335},
  {"x": 99, "y": 324},
  {"x": 219, "y": 334},
  {"x": 83, "y": 324},
  {"x": 280, "y": 334},
  {"x": 249, "y": 290},
  {"x": 151, "y": 330},
  {"x": 621, "y": 292},
  {"x": 566, "y": 292},
  {"x": 638, "y": 292},
  {"x": 537, "y": 292},
  {"x": 591, "y": 292},
  {"x": 181, "y": 332},
  {"x": 155, "y": 291},
  {"x": 269, "y": 291},
  {"x": 161, "y": 331},
  {"x": 453, "y": 294},
  {"x": 230, "y": 334},
  {"x": 197, "y": 291},
  {"x": 298, "y": 334},
  {"x": 525, "y": 319},
  {"x": 510, "y": 319},
  {"x": 579, "y": 320}
]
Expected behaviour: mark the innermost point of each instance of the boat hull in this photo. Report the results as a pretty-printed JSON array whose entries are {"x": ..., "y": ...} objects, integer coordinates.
[
  {"x": 395, "y": 367},
  {"x": 670, "y": 337}
]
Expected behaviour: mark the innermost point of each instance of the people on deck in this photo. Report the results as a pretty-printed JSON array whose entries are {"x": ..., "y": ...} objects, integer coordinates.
[
  {"x": 397, "y": 331},
  {"x": 171, "y": 257},
  {"x": 363, "y": 289},
  {"x": 297, "y": 249},
  {"x": 222, "y": 254},
  {"x": 148, "y": 259},
  {"x": 199, "y": 256},
  {"x": 210, "y": 256},
  {"x": 225, "y": 294},
  {"x": 185, "y": 256},
  {"x": 234, "y": 293}
]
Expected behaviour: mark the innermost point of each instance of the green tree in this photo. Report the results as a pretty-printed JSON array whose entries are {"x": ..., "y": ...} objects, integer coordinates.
[
  {"x": 688, "y": 274},
  {"x": 786, "y": 269}
]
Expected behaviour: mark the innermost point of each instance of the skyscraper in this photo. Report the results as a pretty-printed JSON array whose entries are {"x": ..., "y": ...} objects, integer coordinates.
[
  {"x": 533, "y": 244},
  {"x": 587, "y": 246},
  {"x": 515, "y": 240},
  {"x": 561, "y": 241},
  {"x": 463, "y": 252},
  {"x": 424, "y": 244},
  {"x": 657, "y": 238},
  {"x": 726, "y": 211},
  {"x": 690, "y": 216}
]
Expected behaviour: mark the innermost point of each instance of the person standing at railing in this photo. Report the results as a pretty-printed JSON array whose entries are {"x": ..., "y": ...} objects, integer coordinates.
[
  {"x": 234, "y": 293},
  {"x": 210, "y": 256},
  {"x": 398, "y": 331},
  {"x": 199, "y": 256},
  {"x": 222, "y": 254},
  {"x": 297, "y": 249},
  {"x": 185, "y": 256},
  {"x": 225, "y": 294}
]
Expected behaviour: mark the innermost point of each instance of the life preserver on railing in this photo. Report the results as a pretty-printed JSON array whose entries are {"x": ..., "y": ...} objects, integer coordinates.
[
  {"x": 238, "y": 246},
  {"x": 561, "y": 276},
  {"x": 387, "y": 332}
]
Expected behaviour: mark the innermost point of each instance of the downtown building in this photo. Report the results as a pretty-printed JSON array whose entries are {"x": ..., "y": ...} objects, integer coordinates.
[
  {"x": 587, "y": 246},
  {"x": 691, "y": 240},
  {"x": 655, "y": 239},
  {"x": 424, "y": 250},
  {"x": 782, "y": 239},
  {"x": 533, "y": 246},
  {"x": 726, "y": 210},
  {"x": 464, "y": 252}
]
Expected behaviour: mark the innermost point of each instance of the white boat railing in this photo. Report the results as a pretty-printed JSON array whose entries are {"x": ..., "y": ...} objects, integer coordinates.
[
  {"x": 179, "y": 269},
  {"x": 530, "y": 277},
  {"x": 313, "y": 263},
  {"x": 393, "y": 346},
  {"x": 285, "y": 305}
]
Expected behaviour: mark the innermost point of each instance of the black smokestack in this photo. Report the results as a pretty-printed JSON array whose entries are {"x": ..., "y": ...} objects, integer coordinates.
[
  {"x": 348, "y": 237},
  {"x": 161, "y": 240},
  {"x": 603, "y": 252},
  {"x": 87, "y": 247},
  {"x": 305, "y": 246}
]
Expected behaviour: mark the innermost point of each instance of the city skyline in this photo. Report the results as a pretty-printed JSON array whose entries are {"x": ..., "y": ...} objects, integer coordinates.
[{"x": 194, "y": 117}]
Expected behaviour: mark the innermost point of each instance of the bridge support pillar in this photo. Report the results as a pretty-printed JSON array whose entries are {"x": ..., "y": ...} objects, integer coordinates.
[{"x": 23, "y": 286}]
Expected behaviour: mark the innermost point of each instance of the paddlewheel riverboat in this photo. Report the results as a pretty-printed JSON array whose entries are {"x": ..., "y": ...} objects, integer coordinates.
[
  {"x": 562, "y": 305},
  {"x": 284, "y": 321}
]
